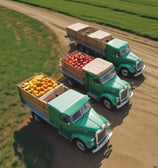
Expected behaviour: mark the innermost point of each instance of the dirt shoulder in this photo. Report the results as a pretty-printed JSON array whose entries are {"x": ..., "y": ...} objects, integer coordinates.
[{"x": 134, "y": 140}]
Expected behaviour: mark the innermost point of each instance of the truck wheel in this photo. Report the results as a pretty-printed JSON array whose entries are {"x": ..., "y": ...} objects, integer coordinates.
[
  {"x": 80, "y": 47},
  {"x": 125, "y": 72},
  {"x": 87, "y": 51},
  {"x": 35, "y": 117},
  {"x": 80, "y": 145},
  {"x": 70, "y": 82},
  {"x": 108, "y": 104}
]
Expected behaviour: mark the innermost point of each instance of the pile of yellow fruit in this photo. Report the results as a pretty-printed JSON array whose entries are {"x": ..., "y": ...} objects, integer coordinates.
[{"x": 39, "y": 85}]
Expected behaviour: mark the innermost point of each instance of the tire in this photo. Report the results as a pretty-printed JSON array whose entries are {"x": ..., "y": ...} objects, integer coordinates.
[
  {"x": 87, "y": 51},
  {"x": 125, "y": 72},
  {"x": 36, "y": 118},
  {"x": 80, "y": 145},
  {"x": 107, "y": 103},
  {"x": 80, "y": 47},
  {"x": 70, "y": 82}
]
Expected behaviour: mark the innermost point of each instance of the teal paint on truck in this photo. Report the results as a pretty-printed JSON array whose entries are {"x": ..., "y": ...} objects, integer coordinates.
[
  {"x": 101, "y": 44},
  {"x": 72, "y": 114},
  {"x": 68, "y": 102}
]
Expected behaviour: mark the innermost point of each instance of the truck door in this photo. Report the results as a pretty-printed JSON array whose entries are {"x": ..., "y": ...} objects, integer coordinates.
[
  {"x": 64, "y": 125},
  {"x": 116, "y": 57},
  {"x": 95, "y": 85}
]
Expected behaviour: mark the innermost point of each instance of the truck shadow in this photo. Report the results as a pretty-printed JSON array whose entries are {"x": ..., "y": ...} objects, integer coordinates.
[
  {"x": 115, "y": 117},
  {"x": 72, "y": 47},
  {"x": 38, "y": 145},
  {"x": 31, "y": 147},
  {"x": 135, "y": 81}
]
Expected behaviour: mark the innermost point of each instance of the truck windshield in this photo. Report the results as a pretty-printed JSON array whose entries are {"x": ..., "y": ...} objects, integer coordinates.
[
  {"x": 124, "y": 51},
  {"x": 77, "y": 115},
  {"x": 107, "y": 76}
]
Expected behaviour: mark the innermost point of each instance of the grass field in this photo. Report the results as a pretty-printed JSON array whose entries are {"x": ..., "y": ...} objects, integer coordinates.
[
  {"x": 26, "y": 47},
  {"x": 139, "y": 17}
]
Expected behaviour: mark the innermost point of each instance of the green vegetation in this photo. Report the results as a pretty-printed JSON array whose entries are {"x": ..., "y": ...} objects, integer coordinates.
[
  {"x": 26, "y": 47},
  {"x": 139, "y": 17}
]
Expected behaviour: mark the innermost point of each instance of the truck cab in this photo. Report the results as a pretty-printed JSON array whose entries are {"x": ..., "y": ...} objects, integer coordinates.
[
  {"x": 103, "y": 84},
  {"x": 127, "y": 63},
  {"x": 76, "y": 120}
]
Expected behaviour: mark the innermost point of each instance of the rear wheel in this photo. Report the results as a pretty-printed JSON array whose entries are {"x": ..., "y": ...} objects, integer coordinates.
[
  {"x": 36, "y": 118},
  {"x": 80, "y": 145},
  {"x": 107, "y": 103},
  {"x": 70, "y": 82},
  {"x": 80, "y": 47}
]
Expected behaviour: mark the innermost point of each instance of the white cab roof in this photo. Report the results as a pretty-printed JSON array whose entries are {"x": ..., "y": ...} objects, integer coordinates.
[{"x": 98, "y": 66}]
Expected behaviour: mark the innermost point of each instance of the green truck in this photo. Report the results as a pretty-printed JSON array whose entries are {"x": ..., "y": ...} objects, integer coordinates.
[
  {"x": 70, "y": 112},
  {"x": 101, "y": 44},
  {"x": 98, "y": 78}
]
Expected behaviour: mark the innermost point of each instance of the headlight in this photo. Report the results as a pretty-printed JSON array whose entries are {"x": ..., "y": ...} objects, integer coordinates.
[
  {"x": 117, "y": 99},
  {"x": 91, "y": 140},
  {"x": 108, "y": 124},
  {"x": 134, "y": 66}
]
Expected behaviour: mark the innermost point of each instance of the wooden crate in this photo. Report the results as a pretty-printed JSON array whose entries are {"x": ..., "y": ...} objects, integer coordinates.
[
  {"x": 68, "y": 67},
  {"x": 83, "y": 33},
  {"x": 73, "y": 29},
  {"x": 32, "y": 100},
  {"x": 98, "y": 39}
]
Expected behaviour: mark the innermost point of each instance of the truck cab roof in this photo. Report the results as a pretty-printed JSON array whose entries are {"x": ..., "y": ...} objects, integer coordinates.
[
  {"x": 117, "y": 43},
  {"x": 98, "y": 66},
  {"x": 68, "y": 102}
]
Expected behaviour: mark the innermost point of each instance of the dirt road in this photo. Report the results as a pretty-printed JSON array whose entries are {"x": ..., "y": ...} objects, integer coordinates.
[{"x": 135, "y": 136}]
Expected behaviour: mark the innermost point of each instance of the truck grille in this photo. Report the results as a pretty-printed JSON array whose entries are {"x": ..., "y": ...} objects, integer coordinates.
[
  {"x": 100, "y": 135},
  {"x": 123, "y": 94},
  {"x": 139, "y": 65}
]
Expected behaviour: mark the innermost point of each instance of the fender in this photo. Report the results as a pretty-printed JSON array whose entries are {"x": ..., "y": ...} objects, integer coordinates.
[
  {"x": 110, "y": 97},
  {"x": 127, "y": 66},
  {"x": 85, "y": 138}
]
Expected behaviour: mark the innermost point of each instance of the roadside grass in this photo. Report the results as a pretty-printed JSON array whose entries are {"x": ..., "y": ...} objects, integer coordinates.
[
  {"x": 26, "y": 47},
  {"x": 138, "y": 17}
]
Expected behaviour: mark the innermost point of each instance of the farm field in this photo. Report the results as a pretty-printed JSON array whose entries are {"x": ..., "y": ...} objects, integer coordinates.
[
  {"x": 25, "y": 49},
  {"x": 26, "y": 144},
  {"x": 139, "y": 17}
]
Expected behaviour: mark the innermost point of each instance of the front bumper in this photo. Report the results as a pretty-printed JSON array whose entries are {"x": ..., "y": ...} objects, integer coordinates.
[
  {"x": 140, "y": 72},
  {"x": 98, "y": 147},
  {"x": 125, "y": 101}
]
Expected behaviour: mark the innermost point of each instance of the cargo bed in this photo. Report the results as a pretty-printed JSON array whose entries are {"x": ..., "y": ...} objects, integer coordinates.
[{"x": 39, "y": 104}]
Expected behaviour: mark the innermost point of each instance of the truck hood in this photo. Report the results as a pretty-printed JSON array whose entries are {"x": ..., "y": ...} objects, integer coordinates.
[
  {"x": 115, "y": 84},
  {"x": 91, "y": 121},
  {"x": 131, "y": 58}
]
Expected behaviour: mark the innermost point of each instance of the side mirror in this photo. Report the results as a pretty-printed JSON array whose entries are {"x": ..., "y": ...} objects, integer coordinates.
[{"x": 65, "y": 119}]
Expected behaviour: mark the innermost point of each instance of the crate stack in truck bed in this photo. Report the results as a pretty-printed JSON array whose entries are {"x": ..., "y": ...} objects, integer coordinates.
[
  {"x": 89, "y": 35},
  {"x": 40, "y": 103}
]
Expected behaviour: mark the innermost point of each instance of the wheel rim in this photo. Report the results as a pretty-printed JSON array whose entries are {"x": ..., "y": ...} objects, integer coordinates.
[
  {"x": 69, "y": 82},
  {"x": 107, "y": 104},
  {"x": 36, "y": 118},
  {"x": 80, "y": 145},
  {"x": 124, "y": 72}
]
